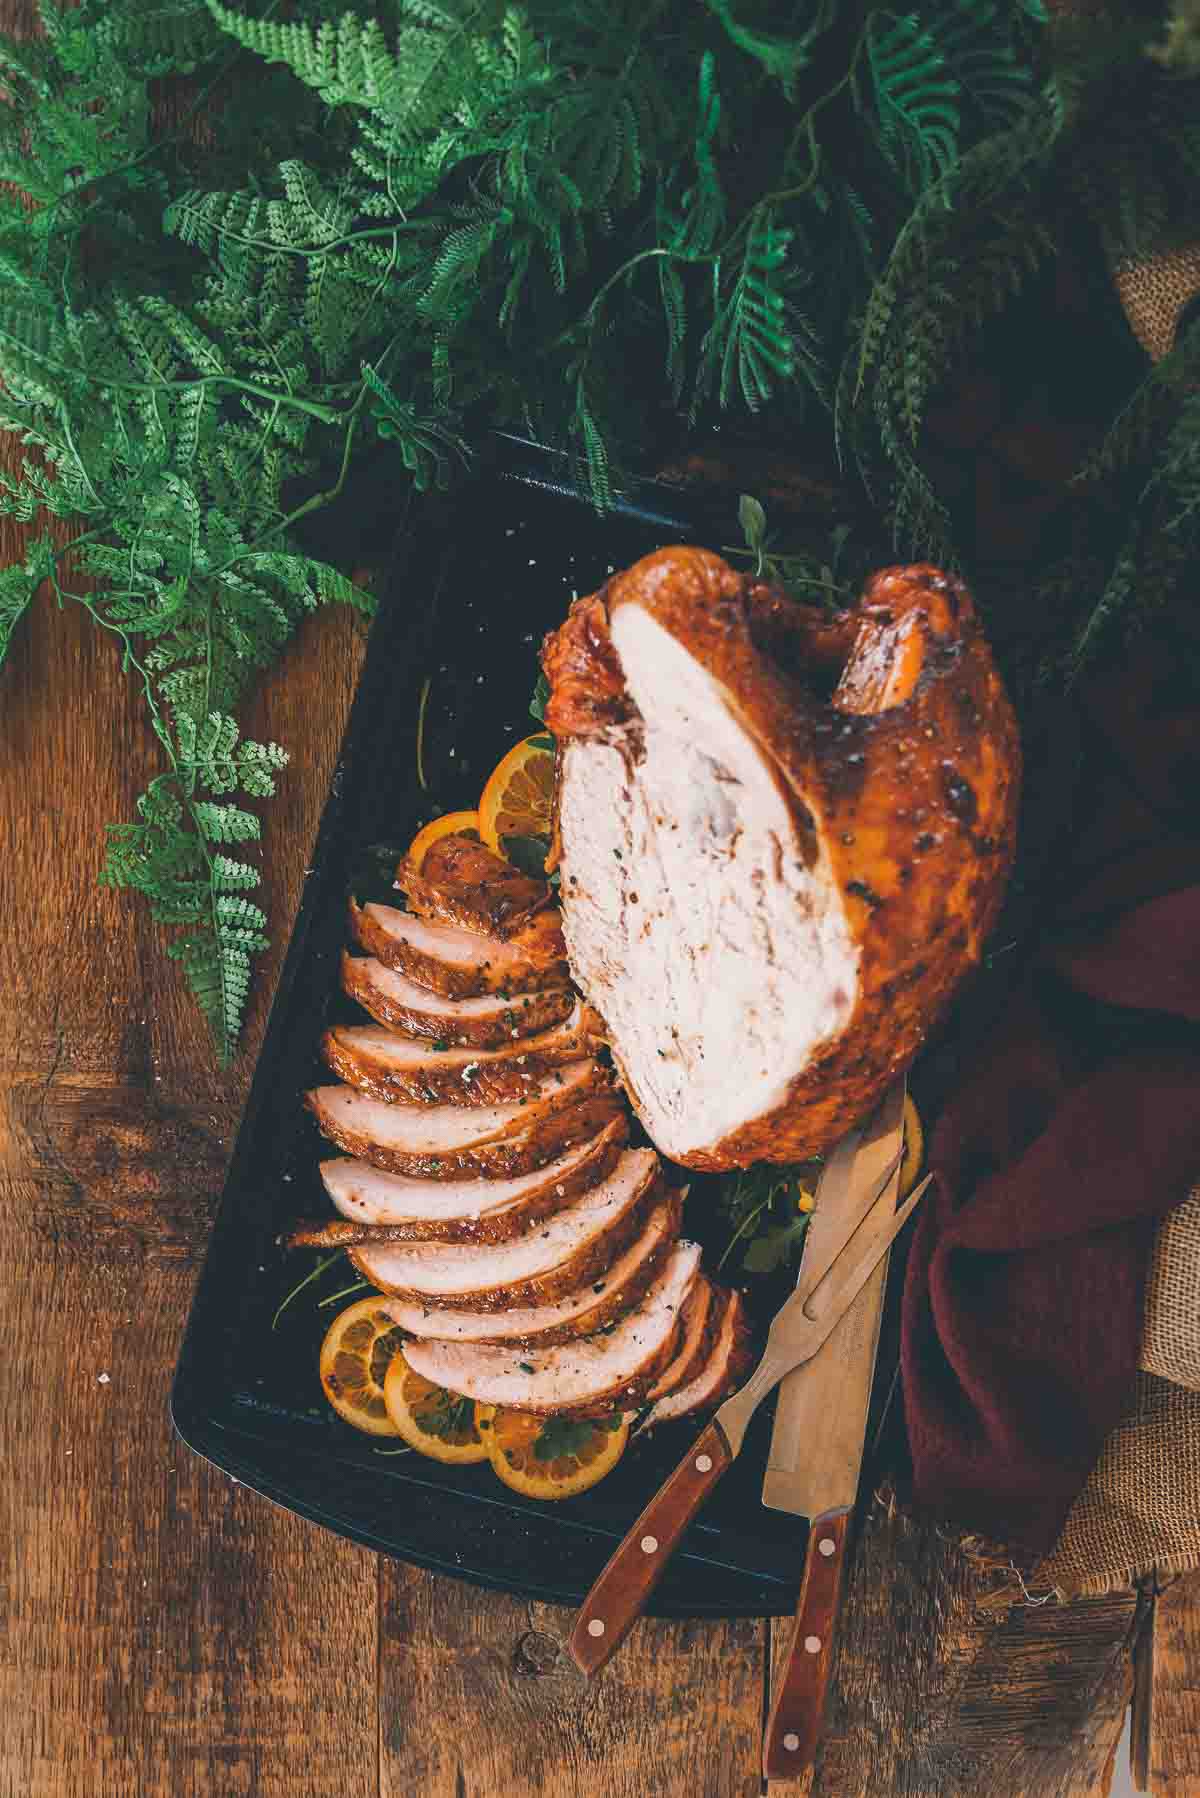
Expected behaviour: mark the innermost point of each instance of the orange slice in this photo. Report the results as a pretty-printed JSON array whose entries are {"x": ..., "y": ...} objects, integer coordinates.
[
  {"x": 517, "y": 799},
  {"x": 359, "y": 1345},
  {"x": 452, "y": 824},
  {"x": 437, "y": 1423},
  {"x": 914, "y": 1147},
  {"x": 550, "y": 1457}
]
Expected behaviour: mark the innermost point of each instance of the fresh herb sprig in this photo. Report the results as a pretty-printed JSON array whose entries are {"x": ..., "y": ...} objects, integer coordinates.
[
  {"x": 562, "y": 1437},
  {"x": 768, "y": 1210}
]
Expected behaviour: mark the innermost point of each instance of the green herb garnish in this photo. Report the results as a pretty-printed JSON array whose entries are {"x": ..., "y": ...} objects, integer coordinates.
[
  {"x": 562, "y": 1436},
  {"x": 762, "y": 1204}
]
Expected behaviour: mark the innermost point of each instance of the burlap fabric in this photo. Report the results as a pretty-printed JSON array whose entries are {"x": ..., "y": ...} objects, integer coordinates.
[
  {"x": 1171, "y": 1345},
  {"x": 1140, "y": 1509}
]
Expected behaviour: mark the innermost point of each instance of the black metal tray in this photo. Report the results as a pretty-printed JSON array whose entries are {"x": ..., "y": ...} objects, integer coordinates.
[{"x": 476, "y": 581}]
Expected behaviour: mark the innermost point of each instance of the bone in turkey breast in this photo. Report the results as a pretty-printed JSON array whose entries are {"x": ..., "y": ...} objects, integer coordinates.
[
  {"x": 463, "y": 883},
  {"x": 579, "y": 1379},
  {"x": 555, "y": 1256},
  {"x": 587, "y": 1309},
  {"x": 404, "y": 1208},
  {"x": 393, "y": 1066},
  {"x": 459, "y": 963},
  {"x": 782, "y": 839},
  {"x": 491, "y": 1021}
]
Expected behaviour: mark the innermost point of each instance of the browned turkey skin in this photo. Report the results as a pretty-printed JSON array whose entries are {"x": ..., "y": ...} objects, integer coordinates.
[{"x": 871, "y": 761}]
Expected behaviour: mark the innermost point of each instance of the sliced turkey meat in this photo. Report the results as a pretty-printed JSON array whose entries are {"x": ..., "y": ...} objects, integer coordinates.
[
  {"x": 585, "y": 1378},
  {"x": 580, "y": 1313},
  {"x": 782, "y": 840},
  {"x": 391, "y": 1066},
  {"x": 464, "y": 883},
  {"x": 458, "y": 963},
  {"x": 440, "y": 1142},
  {"x": 699, "y": 1322},
  {"x": 400, "y": 1208},
  {"x": 492, "y": 1021},
  {"x": 555, "y": 1257},
  {"x": 727, "y": 1364}
]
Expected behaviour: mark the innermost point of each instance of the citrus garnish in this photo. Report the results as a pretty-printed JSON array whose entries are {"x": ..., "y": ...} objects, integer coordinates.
[
  {"x": 550, "y": 1457},
  {"x": 358, "y": 1348},
  {"x": 914, "y": 1147},
  {"x": 437, "y": 1423},
  {"x": 452, "y": 824},
  {"x": 517, "y": 799}
]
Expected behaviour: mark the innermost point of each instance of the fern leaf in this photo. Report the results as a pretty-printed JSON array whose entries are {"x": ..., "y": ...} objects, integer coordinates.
[
  {"x": 16, "y": 592},
  {"x": 229, "y": 876},
  {"x": 225, "y": 823},
  {"x": 917, "y": 102},
  {"x": 218, "y": 976},
  {"x": 748, "y": 348}
]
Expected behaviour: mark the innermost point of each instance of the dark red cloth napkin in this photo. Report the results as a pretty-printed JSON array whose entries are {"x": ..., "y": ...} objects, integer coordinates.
[{"x": 1076, "y": 1123}]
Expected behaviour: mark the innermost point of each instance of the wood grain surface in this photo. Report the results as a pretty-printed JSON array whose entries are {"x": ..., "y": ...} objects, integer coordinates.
[{"x": 167, "y": 1634}]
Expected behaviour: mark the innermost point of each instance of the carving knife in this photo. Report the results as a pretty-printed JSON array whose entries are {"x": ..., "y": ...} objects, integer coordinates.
[
  {"x": 800, "y": 1327},
  {"x": 817, "y": 1448}
]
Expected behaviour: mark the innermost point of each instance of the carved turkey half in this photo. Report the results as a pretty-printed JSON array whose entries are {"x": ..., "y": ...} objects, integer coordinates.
[{"x": 783, "y": 836}]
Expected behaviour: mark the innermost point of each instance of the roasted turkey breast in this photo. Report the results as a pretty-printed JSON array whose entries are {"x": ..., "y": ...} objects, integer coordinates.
[
  {"x": 586, "y": 1378},
  {"x": 491, "y": 1021},
  {"x": 460, "y": 963},
  {"x": 406, "y": 1208},
  {"x": 441, "y": 1142},
  {"x": 558, "y": 1255},
  {"x": 727, "y": 1365},
  {"x": 585, "y": 1311},
  {"x": 463, "y": 883},
  {"x": 393, "y": 1066},
  {"x": 782, "y": 840}
]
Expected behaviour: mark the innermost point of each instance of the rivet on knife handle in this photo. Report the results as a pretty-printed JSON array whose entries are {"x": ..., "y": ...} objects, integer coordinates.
[
  {"x": 620, "y": 1594},
  {"x": 794, "y": 1724}
]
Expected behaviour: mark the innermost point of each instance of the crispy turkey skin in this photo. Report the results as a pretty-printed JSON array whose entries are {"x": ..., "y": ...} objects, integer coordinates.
[{"x": 782, "y": 838}]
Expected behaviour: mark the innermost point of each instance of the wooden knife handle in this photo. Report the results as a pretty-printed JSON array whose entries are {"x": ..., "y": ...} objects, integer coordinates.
[
  {"x": 619, "y": 1596},
  {"x": 794, "y": 1724}
]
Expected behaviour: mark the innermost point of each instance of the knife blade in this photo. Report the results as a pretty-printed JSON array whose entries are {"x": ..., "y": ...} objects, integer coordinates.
[
  {"x": 816, "y": 1457},
  {"x": 851, "y": 1181}
]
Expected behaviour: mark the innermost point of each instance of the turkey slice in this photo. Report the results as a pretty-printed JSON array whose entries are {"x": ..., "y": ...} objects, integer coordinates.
[
  {"x": 489, "y": 1022},
  {"x": 699, "y": 1322},
  {"x": 462, "y": 882},
  {"x": 460, "y": 963},
  {"x": 399, "y": 1208},
  {"x": 580, "y": 1313},
  {"x": 726, "y": 1365},
  {"x": 441, "y": 1141},
  {"x": 575, "y": 1245},
  {"x": 600, "y": 1373},
  {"x": 391, "y": 1066}
]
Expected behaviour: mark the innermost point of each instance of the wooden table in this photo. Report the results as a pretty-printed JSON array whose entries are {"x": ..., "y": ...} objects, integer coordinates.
[{"x": 169, "y": 1633}]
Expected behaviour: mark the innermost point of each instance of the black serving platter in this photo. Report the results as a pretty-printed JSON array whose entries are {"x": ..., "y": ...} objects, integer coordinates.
[{"x": 476, "y": 580}]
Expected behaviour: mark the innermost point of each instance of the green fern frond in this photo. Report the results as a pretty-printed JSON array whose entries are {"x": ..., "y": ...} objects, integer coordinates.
[
  {"x": 703, "y": 210},
  {"x": 917, "y": 101},
  {"x": 978, "y": 55},
  {"x": 749, "y": 348},
  {"x": 218, "y": 977}
]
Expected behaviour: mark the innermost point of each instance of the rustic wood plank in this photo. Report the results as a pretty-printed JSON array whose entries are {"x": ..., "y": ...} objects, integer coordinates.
[
  {"x": 479, "y": 1698},
  {"x": 937, "y": 1695},
  {"x": 165, "y": 1633},
  {"x": 1166, "y": 1727}
]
